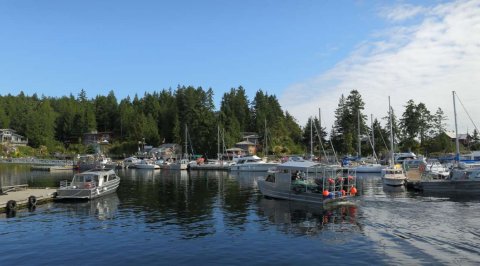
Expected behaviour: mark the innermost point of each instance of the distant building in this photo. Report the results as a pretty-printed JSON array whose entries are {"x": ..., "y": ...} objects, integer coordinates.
[
  {"x": 249, "y": 144},
  {"x": 464, "y": 139},
  {"x": 9, "y": 136}
]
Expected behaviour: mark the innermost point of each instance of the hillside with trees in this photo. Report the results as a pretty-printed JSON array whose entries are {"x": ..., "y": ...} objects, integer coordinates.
[{"x": 59, "y": 124}]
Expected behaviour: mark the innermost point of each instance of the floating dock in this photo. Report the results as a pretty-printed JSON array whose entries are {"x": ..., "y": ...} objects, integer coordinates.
[
  {"x": 52, "y": 168},
  {"x": 21, "y": 194}
]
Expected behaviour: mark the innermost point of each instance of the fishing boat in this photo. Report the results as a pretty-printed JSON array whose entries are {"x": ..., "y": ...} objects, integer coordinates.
[
  {"x": 393, "y": 175},
  {"x": 89, "y": 185},
  {"x": 462, "y": 179},
  {"x": 309, "y": 181}
]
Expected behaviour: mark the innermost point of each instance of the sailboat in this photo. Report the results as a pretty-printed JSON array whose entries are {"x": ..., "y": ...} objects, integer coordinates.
[
  {"x": 366, "y": 167},
  {"x": 393, "y": 175},
  {"x": 182, "y": 163},
  {"x": 461, "y": 180}
]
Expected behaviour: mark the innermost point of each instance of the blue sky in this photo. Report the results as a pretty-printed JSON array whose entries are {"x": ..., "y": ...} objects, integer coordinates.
[{"x": 307, "y": 53}]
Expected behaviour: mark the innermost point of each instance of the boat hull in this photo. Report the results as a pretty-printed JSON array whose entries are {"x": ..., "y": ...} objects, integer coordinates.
[
  {"x": 255, "y": 167},
  {"x": 79, "y": 193},
  {"x": 268, "y": 189},
  {"x": 392, "y": 181},
  {"x": 451, "y": 186},
  {"x": 369, "y": 168}
]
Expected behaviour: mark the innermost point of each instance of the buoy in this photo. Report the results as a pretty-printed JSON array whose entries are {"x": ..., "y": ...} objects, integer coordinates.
[
  {"x": 350, "y": 177},
  {"x": 325, "y": 193},
  {"x": 32, "y": 201},
  {"x": 343, "y": 192},
  {"x": 11, "y": 205},
  {"x": 331, "y": 181},
  {"x": 353, "y": 191}
]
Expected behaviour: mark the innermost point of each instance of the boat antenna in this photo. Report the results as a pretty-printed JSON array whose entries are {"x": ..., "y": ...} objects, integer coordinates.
[{"x": 457, "y": 145}]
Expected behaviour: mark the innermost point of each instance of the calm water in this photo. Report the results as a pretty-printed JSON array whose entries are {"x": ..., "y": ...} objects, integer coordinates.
[{"x": 220, "y": 218}]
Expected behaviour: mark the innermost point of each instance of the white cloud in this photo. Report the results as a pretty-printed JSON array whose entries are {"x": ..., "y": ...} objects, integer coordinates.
[
  {"x": 401, "y": 12},
  {"x": 424, "y": 62}
]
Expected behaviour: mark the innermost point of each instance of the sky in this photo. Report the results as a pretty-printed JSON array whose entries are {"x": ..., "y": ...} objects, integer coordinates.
[{"x": 306, "y": 53}]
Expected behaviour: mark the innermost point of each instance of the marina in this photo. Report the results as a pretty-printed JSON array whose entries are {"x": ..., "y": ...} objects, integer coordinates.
[{"x": 209, "y": 212}]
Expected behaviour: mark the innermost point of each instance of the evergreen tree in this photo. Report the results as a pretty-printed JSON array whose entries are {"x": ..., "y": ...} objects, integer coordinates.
[{"x": 439, "y": 125}]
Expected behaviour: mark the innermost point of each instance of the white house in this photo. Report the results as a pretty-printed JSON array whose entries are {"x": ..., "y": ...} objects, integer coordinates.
[{"x": 9, "y": 136}]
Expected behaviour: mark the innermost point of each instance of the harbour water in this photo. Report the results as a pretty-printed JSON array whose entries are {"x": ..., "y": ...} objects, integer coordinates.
[{"x": 220, "y": 218}]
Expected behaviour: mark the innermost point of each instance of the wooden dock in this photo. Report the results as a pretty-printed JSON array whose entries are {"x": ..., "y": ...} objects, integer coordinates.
[{"x": 21, "y": 193}]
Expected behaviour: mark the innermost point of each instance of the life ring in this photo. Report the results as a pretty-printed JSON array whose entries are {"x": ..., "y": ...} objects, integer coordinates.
[
  {"x": 32, "y": 201},
  {"x": 11, "y": 205}
]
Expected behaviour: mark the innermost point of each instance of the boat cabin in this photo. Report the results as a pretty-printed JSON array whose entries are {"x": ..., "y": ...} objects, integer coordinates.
[
  {"x": 92, "y": 179},
  {"x": 308, "y": 176}
]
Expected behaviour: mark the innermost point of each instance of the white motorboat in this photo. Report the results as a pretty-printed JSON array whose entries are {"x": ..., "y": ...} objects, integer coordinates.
[
  {"x": 369, "y": 168},
  {"x": 435, "y": 168},
  {"x": 89, "y": 185},
  {"x": 394, "y": 176},
  {"x": 251, "y": 164},
  {"x": 181, "y": 164},
  {"x": 309, "y": 181},
  {"x": 146, "y": 164},
  {"x": 130, "y": 162}
]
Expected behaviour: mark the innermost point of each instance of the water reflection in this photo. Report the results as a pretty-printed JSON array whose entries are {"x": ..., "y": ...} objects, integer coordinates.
[
  {"x": 394, "y": 191},
  {"x": 103, "y": 208},
  {"x": 299, "y": 218}
]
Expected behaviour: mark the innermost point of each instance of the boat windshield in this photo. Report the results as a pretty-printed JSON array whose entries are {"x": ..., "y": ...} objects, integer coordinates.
[{"x": 84, "y": 178}]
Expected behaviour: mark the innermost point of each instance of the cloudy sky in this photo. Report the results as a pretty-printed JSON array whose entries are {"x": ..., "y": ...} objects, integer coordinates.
[
  {"x": 305, "y": 52},
  {"x": 424, "y": 53}
]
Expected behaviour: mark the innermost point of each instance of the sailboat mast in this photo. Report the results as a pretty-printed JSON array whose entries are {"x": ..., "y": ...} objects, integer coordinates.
[
  {"x": 186, "y": 144},
  {"x": 358, "y": 136},
  {"x": 320, "y": 133},
  {"x": 373, "y": 131},
  {"x": 311, "y": 137},
  {"x": 218, "y": 142},
  {"x": 266, "y": 144},
  {"x": 457, "y": 145},
  {"x": 391, "y": 130}
]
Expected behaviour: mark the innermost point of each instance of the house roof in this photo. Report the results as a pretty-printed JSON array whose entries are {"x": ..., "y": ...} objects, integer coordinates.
[
  {"x": 460, "y": 136},
  {"x": 245, "y": 143}
]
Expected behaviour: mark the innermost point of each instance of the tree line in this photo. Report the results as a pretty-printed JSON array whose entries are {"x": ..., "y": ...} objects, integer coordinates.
[{"x": 58, "y": 124}]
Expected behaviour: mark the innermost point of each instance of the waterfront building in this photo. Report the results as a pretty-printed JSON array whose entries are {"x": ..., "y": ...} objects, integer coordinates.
[{"x": 10, "y": 137}]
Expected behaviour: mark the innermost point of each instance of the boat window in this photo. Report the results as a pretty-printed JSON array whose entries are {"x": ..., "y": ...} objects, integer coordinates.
[
  {"x": 270, "y": 178},
  {"x": 112, "y": 177},
  {"x": 105, "y": 178},
  {"x": 78, "y": 179}
]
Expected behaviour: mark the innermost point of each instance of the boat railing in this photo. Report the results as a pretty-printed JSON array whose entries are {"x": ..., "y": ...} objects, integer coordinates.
[
  {"x": 65, "y": 183},
  {"x": 331, "y": 182}
]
